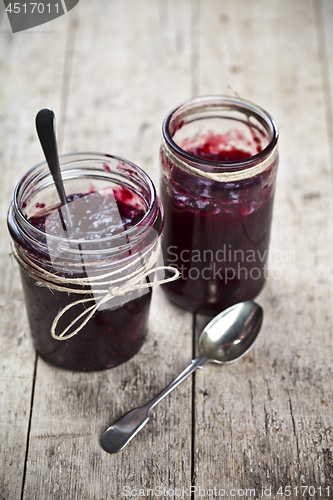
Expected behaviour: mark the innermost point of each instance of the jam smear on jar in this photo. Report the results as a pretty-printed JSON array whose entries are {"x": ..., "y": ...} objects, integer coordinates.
[
  {"x": 115, "y": 333},
  {"x": 216, "y": 233}
]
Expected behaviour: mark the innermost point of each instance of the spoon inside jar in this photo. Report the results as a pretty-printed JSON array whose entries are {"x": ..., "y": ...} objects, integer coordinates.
[
  {"x": 45, "y": 126},
  {"x": 226, "y": 338}
]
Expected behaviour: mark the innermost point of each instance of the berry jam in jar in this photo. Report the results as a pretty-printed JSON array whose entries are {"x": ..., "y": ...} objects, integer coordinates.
[
  {"x": 218, "y": 169},
  {"x": 84, "y": 267}
]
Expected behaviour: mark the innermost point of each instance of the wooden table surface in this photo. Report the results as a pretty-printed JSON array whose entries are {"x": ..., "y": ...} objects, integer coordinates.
[{"x": 111, "y": 70}]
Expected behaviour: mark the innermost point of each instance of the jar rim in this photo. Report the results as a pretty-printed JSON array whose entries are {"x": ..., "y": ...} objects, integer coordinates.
[
  {"x": 228, "y": 102},
  {"x": 77, "y": 157}
]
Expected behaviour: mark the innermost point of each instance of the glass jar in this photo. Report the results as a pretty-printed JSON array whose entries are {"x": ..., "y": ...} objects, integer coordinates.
[
  {"x": 218, "y": 168},
  {"x": 85, "y": 266}
]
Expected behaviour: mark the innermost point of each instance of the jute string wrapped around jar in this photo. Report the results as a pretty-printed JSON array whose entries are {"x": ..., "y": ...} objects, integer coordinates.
[
  {"x": 221, "y": 176},
  {"x": 133, "y": 281}
]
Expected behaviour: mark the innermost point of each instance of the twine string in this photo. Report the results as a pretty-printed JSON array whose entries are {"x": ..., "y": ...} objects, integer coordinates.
[
  {"x": 133, "y": 281},
  {"x": 231, "y": 176}
]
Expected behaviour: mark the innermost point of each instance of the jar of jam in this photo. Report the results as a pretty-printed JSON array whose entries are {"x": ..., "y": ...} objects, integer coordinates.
[
  {"x": 85, "y": 267},
  {"x": 218, "y": 161}
]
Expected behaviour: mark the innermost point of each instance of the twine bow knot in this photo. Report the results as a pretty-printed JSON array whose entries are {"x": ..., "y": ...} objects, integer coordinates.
[{"x": 135, "y": 280}]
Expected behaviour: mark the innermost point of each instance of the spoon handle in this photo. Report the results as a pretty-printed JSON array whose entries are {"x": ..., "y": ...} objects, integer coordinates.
[
  {"x": 196, "y": 363},
  {"x": 116, "y": 437},
  {"x": 45, "y": 125}
]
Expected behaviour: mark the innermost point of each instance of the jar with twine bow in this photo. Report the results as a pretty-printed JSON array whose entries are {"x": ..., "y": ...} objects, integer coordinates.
[
  {"x": 87, "y": 281},
  {"x": 219, "y": 161}
]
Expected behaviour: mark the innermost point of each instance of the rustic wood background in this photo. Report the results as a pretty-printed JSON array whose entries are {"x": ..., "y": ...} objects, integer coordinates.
[{"x": 111, "y": 70}]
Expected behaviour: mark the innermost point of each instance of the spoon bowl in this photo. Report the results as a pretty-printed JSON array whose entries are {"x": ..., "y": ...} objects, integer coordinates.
[
  {"x": 231, "y": 333},
  {"x": 225, "y": 339}
]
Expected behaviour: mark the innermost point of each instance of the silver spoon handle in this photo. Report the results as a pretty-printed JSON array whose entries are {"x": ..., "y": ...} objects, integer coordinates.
[
  {"x": 45, "y": 125},
  {"x": 196, "y": 363},
  {"x": 116, "y": 437}
]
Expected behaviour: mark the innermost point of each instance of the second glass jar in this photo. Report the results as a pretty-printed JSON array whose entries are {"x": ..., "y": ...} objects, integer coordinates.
[{"x": 219, "y": 162}]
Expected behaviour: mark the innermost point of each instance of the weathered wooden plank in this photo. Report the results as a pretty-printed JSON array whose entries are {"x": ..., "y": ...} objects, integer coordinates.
[
  {"x": 130, "y": 65},
  {"x": 28, "y": 82},
  {"x": 324, "y": 10},
  {"x": 17, "y": 367},
  {"x": 2, "y": 15},
  {"x": 265, "y": 421},
  {"x": 125, "y": 68},
  {"x": 71, "y": 410}
]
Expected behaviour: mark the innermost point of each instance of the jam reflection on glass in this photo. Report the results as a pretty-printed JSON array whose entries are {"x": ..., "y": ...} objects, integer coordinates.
[
  {"x": 216, "y": 233},
  {"x": 114, "y": 334}
]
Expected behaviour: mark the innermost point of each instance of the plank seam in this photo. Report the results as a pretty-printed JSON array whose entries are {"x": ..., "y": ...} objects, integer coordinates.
[
  {"x": 67, "y": 73},
  {"x": 29, "y": 425},
  {"x": 194, "y": 318},
  {"x": 323, "y": 62},
  {"x": 195, "y": 47},
  {"x": 294, "y": 427}
]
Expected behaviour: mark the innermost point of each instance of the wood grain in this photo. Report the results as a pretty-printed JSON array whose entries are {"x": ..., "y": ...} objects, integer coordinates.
[
  {"x": 29, "y": 83},
  {"x": 266, "y": 418},
  {"x": 111, "y": 70},
  {"x": 131, "y": 65},
  {"x": 71, "y": 410},
  {"x": 126, "y": 83},
  {"x": 324, "y": 13}
]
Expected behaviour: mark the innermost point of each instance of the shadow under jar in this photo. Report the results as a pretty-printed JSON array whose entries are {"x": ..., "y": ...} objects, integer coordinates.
[
  {"x": 72, "y": 257},
  {"x": 218, "y": 168}
]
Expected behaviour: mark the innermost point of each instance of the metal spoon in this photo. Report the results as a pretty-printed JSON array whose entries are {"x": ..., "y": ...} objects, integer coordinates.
[
  {"x": 45, "y": 125},
  {"x": 226, "y": 338}
]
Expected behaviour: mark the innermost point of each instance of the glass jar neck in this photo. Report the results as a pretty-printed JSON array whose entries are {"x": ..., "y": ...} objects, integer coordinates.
[
  {"x": 81, "y": 171},
  {"x": 194, "y": 120}
]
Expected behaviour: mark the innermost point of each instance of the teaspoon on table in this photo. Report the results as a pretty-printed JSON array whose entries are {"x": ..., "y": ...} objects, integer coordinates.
[{"x": 226, "y": 338}]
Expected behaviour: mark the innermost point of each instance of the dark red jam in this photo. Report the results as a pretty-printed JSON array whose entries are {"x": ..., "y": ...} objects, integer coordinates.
[
  {"x": 115, "y": 333},
  {"x": 232, "y": 146},
  {"x": 93, "y": 215},
  {"x": 216, "y": 233}
]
